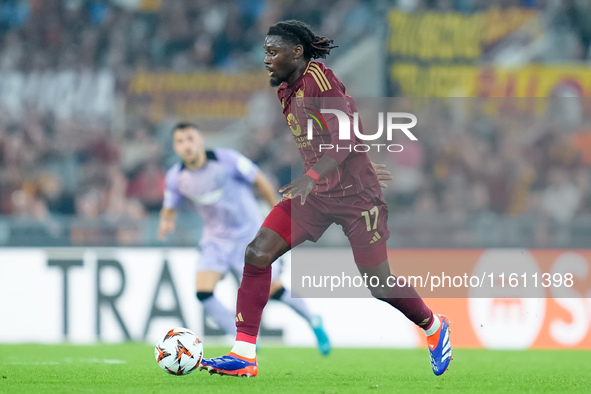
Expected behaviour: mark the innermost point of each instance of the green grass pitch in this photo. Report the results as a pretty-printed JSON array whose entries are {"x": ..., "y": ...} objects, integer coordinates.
[{"x": 131, "y": 368}]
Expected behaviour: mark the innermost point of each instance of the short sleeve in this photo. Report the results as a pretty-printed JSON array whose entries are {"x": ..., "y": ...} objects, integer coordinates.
[
  {"x": 172, "y": 195},
  {"x": 238, "y": 165}
]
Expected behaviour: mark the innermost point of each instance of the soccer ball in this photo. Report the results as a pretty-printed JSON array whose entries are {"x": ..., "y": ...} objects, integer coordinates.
[{"x": 179, "y": 352}]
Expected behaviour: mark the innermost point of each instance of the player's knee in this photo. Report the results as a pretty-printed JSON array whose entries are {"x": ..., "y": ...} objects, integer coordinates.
[{"x": 258, "y": 255}]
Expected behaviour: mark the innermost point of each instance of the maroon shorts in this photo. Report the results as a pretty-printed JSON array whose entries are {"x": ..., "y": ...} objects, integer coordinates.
[{"x": 363, "y": 217}]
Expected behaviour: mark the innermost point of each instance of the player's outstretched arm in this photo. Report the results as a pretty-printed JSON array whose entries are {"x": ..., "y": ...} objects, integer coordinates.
[
  {"x": 167, "y": 222},
  {"x": 266, "y": 189},
  {"x": 383, "y": 175}
]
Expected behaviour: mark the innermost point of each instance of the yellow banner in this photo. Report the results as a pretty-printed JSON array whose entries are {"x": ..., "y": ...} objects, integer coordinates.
[
  {"x": 468, "y": 81},
  {"x": 452, "y": 37},
  {"x": 413, "y": 80},
  {"x": 210, "y": 95},
  {"x": 149, "y": 5}
]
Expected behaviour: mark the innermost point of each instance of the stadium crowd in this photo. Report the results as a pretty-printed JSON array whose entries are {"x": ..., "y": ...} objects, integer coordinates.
[
  {"x": 498, "y": 172},
  {"x": 176, "y": 35},
  {"x": 222, "y": 34}
]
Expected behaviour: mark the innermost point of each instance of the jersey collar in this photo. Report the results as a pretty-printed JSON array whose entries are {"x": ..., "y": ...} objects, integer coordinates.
[{"x": 297, "y": 81}]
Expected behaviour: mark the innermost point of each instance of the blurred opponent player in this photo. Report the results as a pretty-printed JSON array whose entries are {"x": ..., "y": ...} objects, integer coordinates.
[
  {"x": 339, "y": 186},
  {"x": 219, "y": 183}
]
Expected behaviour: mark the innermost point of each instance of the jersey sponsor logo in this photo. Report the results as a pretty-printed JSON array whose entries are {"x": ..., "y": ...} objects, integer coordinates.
[
  {"x": 302, "y": 142},
  {"x": 208, "y": 198},
  {"x": 296, "y": 129},
  {"x": 294, "y": 125},
  {"x": 244, "y": 166}
]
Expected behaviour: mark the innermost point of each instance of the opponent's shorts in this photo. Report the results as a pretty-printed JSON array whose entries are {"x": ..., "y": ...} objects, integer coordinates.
[
  {"x": 228, "y": 255},
  {"x": 363, "y": 217}
]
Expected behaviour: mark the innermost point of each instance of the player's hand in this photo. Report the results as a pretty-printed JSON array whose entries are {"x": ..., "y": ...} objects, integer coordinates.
[
  {"x": 301, "y": 186},
  {"x": 383, "y": 175},
  {"x": 165, "y": 227}
]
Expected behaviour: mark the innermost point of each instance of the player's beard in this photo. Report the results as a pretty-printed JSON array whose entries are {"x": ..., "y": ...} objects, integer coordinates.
[{"x": 276, "y": 81}]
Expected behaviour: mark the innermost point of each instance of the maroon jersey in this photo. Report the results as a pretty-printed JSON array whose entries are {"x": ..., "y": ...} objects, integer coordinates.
[{"x": 318, "y": 88}]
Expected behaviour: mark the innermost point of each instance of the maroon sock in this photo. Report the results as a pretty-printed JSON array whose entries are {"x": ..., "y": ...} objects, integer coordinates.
[
  {"x": 410, "y": 303},
  {"x": 253, "y": 295}
]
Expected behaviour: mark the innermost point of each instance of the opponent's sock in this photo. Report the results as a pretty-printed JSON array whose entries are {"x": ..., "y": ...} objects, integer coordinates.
[
  {"x": 407, "y": 300},
  {"x": 218, "y": 312},
  {"x": 253, "y": 295},
  {"x": 245, "y": 347},
  {"x": 297, "y": 304}
]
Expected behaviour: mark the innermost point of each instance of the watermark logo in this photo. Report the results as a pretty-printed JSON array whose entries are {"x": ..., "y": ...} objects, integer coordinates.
[
  {"x": 344, "y": 124},
  {"x": 320, "y": 121}
]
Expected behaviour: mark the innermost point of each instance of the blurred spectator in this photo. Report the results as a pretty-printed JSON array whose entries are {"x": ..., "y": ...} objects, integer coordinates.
[
  {"x": 561, "y": 198},
  {"x": 90, "y": 227},
  {"x": 32, "y": 225},
  {"x": 131, "y": 225},
  {"x": 148, "y": 186},
  {"x": 138, "y": 148},
  {"x": 51, "y": 191}
]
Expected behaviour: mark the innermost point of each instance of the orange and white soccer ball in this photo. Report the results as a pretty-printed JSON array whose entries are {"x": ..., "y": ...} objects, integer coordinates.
[{"x": 179, "y": 352}]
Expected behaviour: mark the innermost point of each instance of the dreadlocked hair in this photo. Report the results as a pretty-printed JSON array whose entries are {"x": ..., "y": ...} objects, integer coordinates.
[{"x": 299, "y": 33}]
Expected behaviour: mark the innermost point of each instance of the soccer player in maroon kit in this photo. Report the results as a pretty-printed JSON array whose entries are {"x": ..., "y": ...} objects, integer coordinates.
[{"x": 339, "y": 186}]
